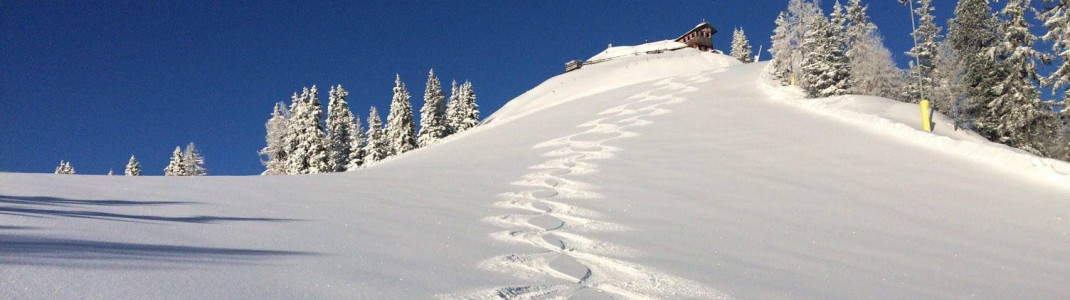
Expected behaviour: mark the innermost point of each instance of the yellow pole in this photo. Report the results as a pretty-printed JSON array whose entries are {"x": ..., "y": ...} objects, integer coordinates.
[
  {"x": 926, "y": 116},
  {"x": 792, "y": 79}
]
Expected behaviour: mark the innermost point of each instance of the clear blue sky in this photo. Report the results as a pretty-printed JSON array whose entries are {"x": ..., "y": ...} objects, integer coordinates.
[{"x": 95, "y": 81}]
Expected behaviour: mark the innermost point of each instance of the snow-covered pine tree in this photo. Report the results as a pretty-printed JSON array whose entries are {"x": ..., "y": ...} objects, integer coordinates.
[
  {"x": 838, "y": 17},
  {"x": 356, "y": 156},
  {"x": 1057, "y": 22},
  {"x": 469, "y": 113},
  {"x": 825, "y": 69},
  {"x": 65, "y": 168},
  {"x": 433, "y": 113},
  {"x": 274, "y": 153},
  {"x": 293, "y": 163},
  {"x": 453, "y": 109},
  {"x": 858, "y": 24},
  {"x": 133, "y": 167},
  {"x": 741, "y": 48},
  {"x": 924, "y": 53},
  {"x": 780, "y": 66},
  {"x": 1016, "y": 116},
  {"x": 873, "y": 70},
  {"x": 342, "y": 132},
  {"x": 194, "y": 161},
  {"x": 801, "y": 14},
  {"x": 838, "y": 22},
  {"x": 306, "y": 141},
  {"x": 375, "y": 148},
  {"x": 947, "y": 80},
  {"x": 970, "y": 33},
  {"x": 175, "y": 167},
  {"x": 400, "y": 123}
]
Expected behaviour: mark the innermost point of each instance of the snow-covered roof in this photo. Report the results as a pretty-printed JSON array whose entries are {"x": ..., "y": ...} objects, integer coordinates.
[{"x": 700, "y": 25}]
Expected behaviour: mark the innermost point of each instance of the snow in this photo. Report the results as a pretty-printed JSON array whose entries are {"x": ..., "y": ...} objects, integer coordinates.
[
  {"x": 620, "y": 51},
  {"x": 677, "y": 175},
  {"x": 609, "y": 75},
  {"x": 901, "y": 120}
]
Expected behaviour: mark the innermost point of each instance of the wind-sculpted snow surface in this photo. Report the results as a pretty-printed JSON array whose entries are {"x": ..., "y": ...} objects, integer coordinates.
[{"x": 551, "y": 212}]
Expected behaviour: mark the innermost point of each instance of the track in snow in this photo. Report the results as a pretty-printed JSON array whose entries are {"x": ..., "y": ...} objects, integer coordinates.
[{"x": 548, "y": 219}]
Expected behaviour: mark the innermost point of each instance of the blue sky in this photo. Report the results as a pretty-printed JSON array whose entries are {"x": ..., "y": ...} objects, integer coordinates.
[{"x": 95, "y": 81}]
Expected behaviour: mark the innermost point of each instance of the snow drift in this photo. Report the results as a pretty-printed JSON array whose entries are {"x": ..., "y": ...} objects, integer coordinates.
[{"x": 673, "y": 175}]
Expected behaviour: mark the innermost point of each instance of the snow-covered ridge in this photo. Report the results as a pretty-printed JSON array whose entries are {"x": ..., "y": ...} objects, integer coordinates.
[{"x": 617, "y": 72}]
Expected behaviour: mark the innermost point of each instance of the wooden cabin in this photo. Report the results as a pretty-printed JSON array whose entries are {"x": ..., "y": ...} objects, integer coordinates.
[{"x": 700, "y": 37}]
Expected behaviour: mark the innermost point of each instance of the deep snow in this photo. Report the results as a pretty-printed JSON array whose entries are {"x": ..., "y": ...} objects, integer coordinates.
[{"x": 675, "y": 175}]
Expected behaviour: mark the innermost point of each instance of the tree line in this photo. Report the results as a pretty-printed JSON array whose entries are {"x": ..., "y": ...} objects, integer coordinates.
[
  {"x": 982, "y": 72},
  {"x": 301, "y": 141},
  {"x": 188, "y": 162}
]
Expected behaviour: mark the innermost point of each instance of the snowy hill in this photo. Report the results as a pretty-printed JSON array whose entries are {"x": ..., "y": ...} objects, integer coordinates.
[{"x": 675, "y": 175}]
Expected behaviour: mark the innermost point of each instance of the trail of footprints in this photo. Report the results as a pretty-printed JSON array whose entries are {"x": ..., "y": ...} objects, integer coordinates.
[{"x": 546, "y": 217}]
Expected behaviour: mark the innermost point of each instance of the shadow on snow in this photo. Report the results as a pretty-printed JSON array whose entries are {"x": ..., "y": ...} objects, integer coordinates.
[
  {"x": 49, "y": 202},
  {"x": 72, "y": 253},
  {"x": 52, "y": 201}
]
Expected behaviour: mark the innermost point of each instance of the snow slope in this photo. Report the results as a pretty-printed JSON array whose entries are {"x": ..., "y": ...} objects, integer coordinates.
[{"x": 667, "y": 176}]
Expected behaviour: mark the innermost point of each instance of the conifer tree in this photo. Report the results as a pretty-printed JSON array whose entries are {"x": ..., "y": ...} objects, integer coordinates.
[
  {"x": 924, "y": 52},
  {"x": 789, "y": 36},
  {"x": 780, "y": 66},
  {"x": 825, "y": 69},
  {"x": 741, "y": 48},
  {"x": 65, "y": 168},
  {"x": 970, "y": 33},
  {"x": 858, "y": 24},
  {"x": 274, "y": 152},
  {"x": 838, "y": 16},
  {"x": 133, "y": 167},
  {"x": 433, "y": 113},
  {"x": 176, "y": 167},
  {"x": 1016, "y": 116},
  {"x": 342, "y": 132},
  {"x": 453, "y": 109},
  {"x": 193, "y": 161},
  {"x": 306, "y": 141},
  {"x": 400, "y": 123},
  {"x": 291, "y": 140},
  {"x": 375, "y": 148},
  {"x": 838, "y": 21},
  {"x": 469, "y": 112},
  {"x": 356, "y": 156},
  {"x": 1057, "y": 22}
]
